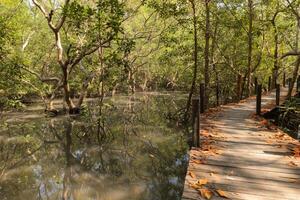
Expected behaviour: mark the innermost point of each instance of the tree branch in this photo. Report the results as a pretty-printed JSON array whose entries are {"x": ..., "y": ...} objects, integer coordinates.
[
  {"x": 42, "y": 79},
  {"x": 291, "y": 53},
  {"x": 47, "y": 15},
  {"x": 63, "y": 19},
  {"x": 293, "y": 9}
]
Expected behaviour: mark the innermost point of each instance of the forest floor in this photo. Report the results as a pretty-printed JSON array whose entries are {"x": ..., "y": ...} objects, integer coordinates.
[{"x": 243, "y": 156}]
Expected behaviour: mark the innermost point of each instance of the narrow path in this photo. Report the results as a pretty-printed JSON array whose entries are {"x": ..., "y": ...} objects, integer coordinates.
[{"x": 243, "y": 159}]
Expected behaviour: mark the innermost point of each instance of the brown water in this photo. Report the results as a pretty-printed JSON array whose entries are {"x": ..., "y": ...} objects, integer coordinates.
[{"x": 127, "y": 150}]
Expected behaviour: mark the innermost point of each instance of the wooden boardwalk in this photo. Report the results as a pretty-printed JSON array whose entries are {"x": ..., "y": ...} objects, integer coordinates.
[{"x": 242, "y": 158}]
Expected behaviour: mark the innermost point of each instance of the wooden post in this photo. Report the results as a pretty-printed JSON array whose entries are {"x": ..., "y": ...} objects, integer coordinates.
[
  {"x": 202, "y": 100},
  {"x": 255, "y": 85},
  {"x": 283, "y": 82},
  {"x": 218, "y": 93},
  {"x": 298, "y": 84},
  {"x": 239, "y": 87},
  {"x": 258, "y": 99},
  {"x": 298, "y": 136},
  {"x": 277, "y": 94},
  {"x": 290, "y": 83},
  {"x": 196, "y": 120},
  {"x": 269, "y": 84}
]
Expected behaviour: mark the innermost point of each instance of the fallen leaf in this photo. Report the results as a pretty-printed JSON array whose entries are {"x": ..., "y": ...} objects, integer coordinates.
[
  {"x": 202, "y": 181},
  {"x": 295, "y": 180},
  {"x": 222, "y": 193},
  {"x": 198, "y": 161},
  {"x": 196, "y": 187},
  {"x": 293, "y": 164},
  {"x": 269, "y": 141},
  {"x": 192, "y": 174},
  {"x": 279, "y": 136},
  {"x": 264, "y": 122},
  {"x": 206, "y": 193},
  {"x": 218, "y": 152},
  {"x": 296, "y": 151}
]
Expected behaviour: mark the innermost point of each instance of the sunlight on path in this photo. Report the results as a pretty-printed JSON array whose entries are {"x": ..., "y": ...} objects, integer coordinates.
[{"x": 242, "y": 159}]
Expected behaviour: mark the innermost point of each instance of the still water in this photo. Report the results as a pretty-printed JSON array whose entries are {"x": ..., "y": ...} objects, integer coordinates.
[{"x": 124, "y": 150}]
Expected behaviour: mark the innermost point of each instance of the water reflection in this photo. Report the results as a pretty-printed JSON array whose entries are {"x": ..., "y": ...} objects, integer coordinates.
[{"x": 123, "y": 150}]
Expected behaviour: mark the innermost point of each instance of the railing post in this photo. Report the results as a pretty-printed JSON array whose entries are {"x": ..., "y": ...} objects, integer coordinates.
[
  {"x": 255, "y": 85},
  {"x": 238, "y": 87},
  {"x": 290, "y": 83},
  {"x": 298, "y": 135},
  {"x": 298, "y": 84},
  {"x": 218, "y": 93},
  {"x": 258, "y": 99},
  {"x": 277, "y": 94},
  {"x": 202, "y": 100},
  {"x": 196, "y": 120},
  {"x": 269, "y": 84},
  {"x": 283, "y": 81}
]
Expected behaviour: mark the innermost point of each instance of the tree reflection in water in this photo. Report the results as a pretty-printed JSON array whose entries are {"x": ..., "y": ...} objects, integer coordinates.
[{"x": 122, "y": 149}]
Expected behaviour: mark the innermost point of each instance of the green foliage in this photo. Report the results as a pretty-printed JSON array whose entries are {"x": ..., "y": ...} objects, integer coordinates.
[
  {"x": 169, "y": 8},
  {"x": 146, "y": 45}
]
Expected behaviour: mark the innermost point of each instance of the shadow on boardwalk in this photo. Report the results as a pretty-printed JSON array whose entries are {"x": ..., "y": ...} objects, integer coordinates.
[{"x": 243, "y": 158}]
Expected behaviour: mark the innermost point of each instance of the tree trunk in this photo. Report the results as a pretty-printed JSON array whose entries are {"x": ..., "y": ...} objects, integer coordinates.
[
  {"x": 50, "y": 106},
  {"x": 84, "y": 88},
  {"x": 250, "y": 40},
  {"x": 296, "y": 68},
  {"x": 131, "y": 82},
  {"x": 90, "y": 78},
  {"x": 144, "y": 85},
  {"x": 206, "y": 53},
  {"x": 276, "y": 59},
  {"x": 66, "y": 88},
  {"x": 212, "y": 58},
  {"x": 114, "y": 91},
  {"x": 193, "y": 85},
  {"x": 239, "y": 87}
]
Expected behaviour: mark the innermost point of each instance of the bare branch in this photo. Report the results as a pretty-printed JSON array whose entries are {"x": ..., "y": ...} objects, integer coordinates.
[
  {"x": 293, "y": 9},
  {"x": 47, "y": 15},
  {"x": 63, "y": 19},
  {"x": 26, "y": 42},
  {"x": 42, "y": 79},
  {"x": 291, "y": 53}
]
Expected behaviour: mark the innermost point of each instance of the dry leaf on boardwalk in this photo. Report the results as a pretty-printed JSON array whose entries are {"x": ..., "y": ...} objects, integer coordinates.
[
  {"x": 202, "y": 181},
  {"x": 264, "y": 122},
  {"x": 195, "y": 186},
  {"x": 198, "y": 161},
  {"x": 295, "y": 180},
  {"x": 280, "y": 136},
  {"x": 269, "y": 141},
  {"x": 222, "y": 193},
  {"x": 293, "y": 164},
  {"x": 206, "y": 193},
  {"x": 199, "y": 184},
  {"x": 192, "y": 174},
  {"x": 296, "y": 151}
]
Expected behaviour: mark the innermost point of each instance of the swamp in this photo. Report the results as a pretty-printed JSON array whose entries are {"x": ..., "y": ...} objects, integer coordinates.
[
  {"x": 125, "y": 149},
  {"x": 107, "y": 99}
]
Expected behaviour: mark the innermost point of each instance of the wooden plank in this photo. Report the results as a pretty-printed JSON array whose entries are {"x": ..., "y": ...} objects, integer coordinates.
[{"x": 244, "y": 186}]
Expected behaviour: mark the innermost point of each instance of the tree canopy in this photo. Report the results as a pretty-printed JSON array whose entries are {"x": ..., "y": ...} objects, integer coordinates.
[{"x": 72, "y": 49}]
